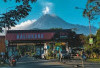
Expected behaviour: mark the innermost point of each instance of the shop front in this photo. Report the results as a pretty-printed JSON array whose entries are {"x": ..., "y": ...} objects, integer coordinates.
[{"x": 39, "y": 42}]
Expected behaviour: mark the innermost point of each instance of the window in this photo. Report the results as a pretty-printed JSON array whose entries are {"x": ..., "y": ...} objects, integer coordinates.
[
  {"x": 29, "y": 37},
  {"x": 21, "y": 36},
  {"x": 41, "y": 35},
  {"x": 38, "y": 35},
  {"x": 35, "y": 36},
  {"x": 32, "y": 36},
  {"x": 17, "y": 36}
]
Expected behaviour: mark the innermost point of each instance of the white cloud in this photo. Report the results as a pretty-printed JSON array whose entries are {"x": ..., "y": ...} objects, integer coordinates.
[
  {"x": 20, "y": 26},
  {"x": 47, "y": 7},
  {"x": 46, "y": 10},
  {"x": 23, "y": 25}
]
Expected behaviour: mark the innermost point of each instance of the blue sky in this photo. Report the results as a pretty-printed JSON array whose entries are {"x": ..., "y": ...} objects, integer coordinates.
[{"x": 65, "y": 9}]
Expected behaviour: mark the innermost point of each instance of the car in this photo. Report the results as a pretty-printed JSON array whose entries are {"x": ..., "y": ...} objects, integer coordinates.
[{"x": 65, "y": 55}]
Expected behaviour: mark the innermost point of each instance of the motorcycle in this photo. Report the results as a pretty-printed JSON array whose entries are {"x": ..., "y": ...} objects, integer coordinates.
[{"x": 12, "y": 62}]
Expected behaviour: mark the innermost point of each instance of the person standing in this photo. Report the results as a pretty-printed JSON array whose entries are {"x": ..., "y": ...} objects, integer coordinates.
[{"x": 83, "y": 56}]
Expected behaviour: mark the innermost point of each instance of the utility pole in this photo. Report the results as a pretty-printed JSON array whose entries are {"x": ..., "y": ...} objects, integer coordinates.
[
  {"x": 90, "y": 26},
  {"x": 90, "y": 32},
  {"x": 90, "y": 39}
]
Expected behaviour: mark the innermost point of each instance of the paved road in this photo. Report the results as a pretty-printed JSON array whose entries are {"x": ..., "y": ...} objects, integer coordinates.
[
  {"x": 74, "y": 63},
  {"x": 29, "y": 62}
]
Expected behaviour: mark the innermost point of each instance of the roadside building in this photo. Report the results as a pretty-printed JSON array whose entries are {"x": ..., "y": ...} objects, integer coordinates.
[
  {"x": 2, "y": 45},
  {"x": 42, "y": 42}
]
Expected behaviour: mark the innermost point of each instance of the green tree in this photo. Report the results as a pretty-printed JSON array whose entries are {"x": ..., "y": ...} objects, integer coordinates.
[
  {"x": 10, "y": 18},
  {"x": 98, "y": 37},
  {"x": 91, "y": 50},
  {"x": 92, "y": 10}
]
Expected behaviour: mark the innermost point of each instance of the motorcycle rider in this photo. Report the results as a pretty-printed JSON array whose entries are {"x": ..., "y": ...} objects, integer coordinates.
[{"x": 12, "y": 60}]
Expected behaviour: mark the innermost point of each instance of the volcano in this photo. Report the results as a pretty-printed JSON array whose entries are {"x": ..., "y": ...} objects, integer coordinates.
[{"x": 48, "y": 21}]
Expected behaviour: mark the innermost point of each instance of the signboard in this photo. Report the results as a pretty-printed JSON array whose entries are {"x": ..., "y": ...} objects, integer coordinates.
[
  {"x": 91, "y": 41},
  {"x": 29, "y": 36},
  {"x": 63, "y": 35}
]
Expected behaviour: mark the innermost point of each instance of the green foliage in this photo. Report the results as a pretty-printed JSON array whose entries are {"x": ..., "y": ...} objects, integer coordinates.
[
  {"x": 24, "y": 1},
  {"x": 77, "y": 40},
  {"x": 92, "y": 10},
  {"x": 93, "y": 60},
  {"x": 91, "y": 50},
  {"x": 50, "y": 51},
  {"x": 94, "y": 50},
  {"x": 10, "y": 18},
  {"x": 98, "y": 37},
  {"x": 58, "y": 44},
  {"x": 83, "y": 38},
  {"x": 88, "y": 49}
]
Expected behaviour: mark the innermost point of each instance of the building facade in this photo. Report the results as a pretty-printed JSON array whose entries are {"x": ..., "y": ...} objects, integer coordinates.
[
  {"x": 2, "y": 44},
  {"x": 44, "y": 41}
]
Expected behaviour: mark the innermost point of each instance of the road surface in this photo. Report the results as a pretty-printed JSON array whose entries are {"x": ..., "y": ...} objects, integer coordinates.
[{"x": 30, "y": 62}]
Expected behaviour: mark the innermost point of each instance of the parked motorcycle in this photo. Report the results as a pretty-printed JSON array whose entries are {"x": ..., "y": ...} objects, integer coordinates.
[{"x": 12, "y": 61}]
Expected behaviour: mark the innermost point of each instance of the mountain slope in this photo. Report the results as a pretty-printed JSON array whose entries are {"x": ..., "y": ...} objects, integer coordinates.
[{"x": 48, "y": 21}]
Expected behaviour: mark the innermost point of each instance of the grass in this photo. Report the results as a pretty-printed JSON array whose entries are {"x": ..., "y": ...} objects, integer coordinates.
[
  {"x": 93, "y": 60},
  {"x": 49, "y": 58}
]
